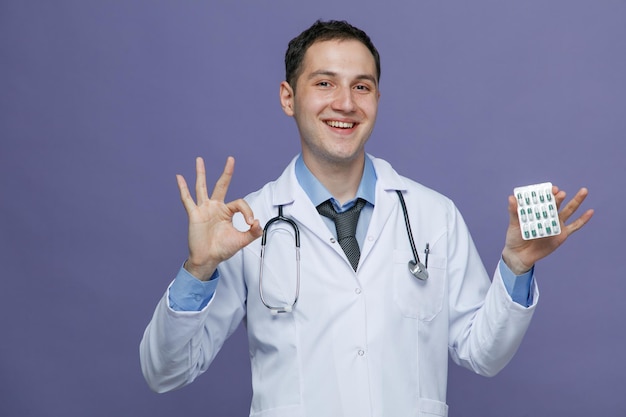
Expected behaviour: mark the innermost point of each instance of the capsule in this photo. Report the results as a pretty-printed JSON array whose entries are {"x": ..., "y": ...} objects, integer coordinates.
[
  {"x": 537, "y": 214},
  {"x": 526, "y": 232},
  {"x": 534, "y": 196},
  {"x": 548, "y": 228},
  {"x": 544, "y": 212},
  {"x": 555, "y": 226},
  {"x": 551, "y": 210},
  {"x": 549, "y": 194},
  {"x": 540, "y": 228},
  {"x": 542, "y": 198},
  {"x": 526, "y": 198},
  {"x": 533, "y": 231},
  {"x": 520, "y": 200},
  {"x": 522, "y": 213}
]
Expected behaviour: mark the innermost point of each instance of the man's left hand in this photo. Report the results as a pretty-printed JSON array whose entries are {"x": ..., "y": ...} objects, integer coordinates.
[{"x": 520, "y": 255}]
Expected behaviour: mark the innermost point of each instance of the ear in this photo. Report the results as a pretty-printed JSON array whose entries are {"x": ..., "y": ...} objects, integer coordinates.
[{"x": 286, "y": 98}]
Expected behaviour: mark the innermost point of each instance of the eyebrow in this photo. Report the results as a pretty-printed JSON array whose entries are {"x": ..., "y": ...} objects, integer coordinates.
[{"x": 366, "y": 77}]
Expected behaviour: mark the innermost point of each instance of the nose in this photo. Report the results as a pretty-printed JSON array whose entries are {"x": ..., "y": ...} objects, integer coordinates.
[{"x": 344, "y": 100}]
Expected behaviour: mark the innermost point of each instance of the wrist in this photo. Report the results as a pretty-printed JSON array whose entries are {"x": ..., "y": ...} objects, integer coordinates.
[
  {"x": 202, "y": 272},
  {"x": 515, "y": 264}
]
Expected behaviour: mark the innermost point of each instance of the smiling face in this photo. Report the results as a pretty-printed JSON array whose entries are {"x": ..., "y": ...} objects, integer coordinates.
[{"x": 334, "y": 103}]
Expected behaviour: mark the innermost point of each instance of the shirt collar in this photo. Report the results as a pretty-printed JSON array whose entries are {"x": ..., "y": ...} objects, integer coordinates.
[{"x": 318, "y": 193}]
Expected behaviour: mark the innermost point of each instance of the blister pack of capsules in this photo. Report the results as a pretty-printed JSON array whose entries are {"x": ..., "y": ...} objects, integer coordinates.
[{"x": 537, "y": 211}]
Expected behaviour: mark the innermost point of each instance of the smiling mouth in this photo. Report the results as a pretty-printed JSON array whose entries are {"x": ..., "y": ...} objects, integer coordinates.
[{"x": 340, "y": 125}]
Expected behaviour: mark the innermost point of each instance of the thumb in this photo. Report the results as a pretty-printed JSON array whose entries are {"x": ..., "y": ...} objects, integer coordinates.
[{"x": 513, "y": 220}]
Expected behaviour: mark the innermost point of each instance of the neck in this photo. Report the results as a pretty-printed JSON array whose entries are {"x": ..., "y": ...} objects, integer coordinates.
[{"x": 340, "y": 179}]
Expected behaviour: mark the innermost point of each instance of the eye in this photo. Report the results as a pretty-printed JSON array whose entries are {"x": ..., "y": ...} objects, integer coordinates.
[
  {"x": 323, "y": 84},
  {"x": 363, "y": 87}
]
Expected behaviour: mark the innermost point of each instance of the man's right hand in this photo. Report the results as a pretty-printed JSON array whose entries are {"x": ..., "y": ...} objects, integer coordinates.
[{"x": 212, "y": 236}]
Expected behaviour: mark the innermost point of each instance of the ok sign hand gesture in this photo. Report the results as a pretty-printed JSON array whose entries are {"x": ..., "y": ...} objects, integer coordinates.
[{"x": 212, "y": 236}]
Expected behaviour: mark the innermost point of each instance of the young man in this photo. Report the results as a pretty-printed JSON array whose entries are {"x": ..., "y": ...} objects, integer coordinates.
[{"x": 349, "y": 330}]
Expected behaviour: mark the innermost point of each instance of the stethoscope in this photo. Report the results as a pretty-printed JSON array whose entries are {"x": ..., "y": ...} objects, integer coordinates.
[{"x": 416, "y": 267}]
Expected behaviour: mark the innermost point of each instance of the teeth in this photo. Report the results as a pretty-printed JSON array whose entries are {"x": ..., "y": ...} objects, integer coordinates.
[{"x": 341, "y": 125}]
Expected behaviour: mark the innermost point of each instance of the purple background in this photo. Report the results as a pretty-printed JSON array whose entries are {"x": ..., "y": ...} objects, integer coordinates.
[{"x": 102, "y": 103}]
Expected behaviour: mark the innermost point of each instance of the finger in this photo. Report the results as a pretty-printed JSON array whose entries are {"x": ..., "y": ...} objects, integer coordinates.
[
  {"x": 254, "y": 232},
  {"x": 241, "y": 206},
  {"x": 579, "y": 222},
  {"x": 201, "y": 191},
  {"x": 573, "y": 204},
  {"x": 559, "y": 197},
  {"x": 222, "y": 184},
  {"x": 185, "y": 195}
]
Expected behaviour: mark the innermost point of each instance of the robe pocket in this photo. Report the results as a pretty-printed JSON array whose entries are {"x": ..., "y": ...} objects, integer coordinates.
[
  {"x": 432, "y": 408},
  {"x": 415, "y": 298}
]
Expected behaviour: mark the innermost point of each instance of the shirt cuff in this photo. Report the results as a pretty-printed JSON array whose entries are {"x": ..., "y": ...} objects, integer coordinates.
[
  {"x": 518, "y": 286},
  {"x": 188, "y": 293}
]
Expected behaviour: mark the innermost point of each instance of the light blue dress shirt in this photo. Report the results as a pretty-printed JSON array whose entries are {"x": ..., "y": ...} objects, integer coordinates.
[{"x": 187, "y": 293}]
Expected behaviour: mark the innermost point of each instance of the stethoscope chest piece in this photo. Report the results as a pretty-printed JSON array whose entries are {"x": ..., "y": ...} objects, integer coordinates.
[{"x": 418, "y": 270}]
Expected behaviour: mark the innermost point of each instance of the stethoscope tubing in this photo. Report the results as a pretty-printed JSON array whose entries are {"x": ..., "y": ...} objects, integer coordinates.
[
  {"x": 284, "y": 309},
  {"x": 408, "y": 225},
  {"x": 415, "y": 266}
]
